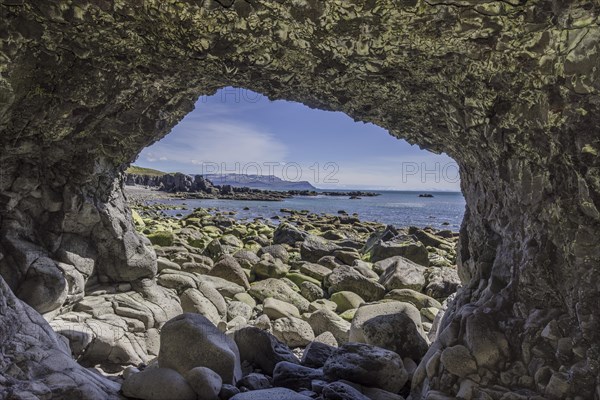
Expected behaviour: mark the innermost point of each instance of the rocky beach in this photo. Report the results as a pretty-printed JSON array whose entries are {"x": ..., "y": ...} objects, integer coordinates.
[
  {"x": 169, "y": 307},
  {"x": 317, "y": 306}
]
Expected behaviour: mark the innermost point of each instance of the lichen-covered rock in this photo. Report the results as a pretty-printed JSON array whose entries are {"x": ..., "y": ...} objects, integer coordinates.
[
  {"x": 278, "y": 290},
  {"x": 346, "y": 278},
  {"x": 314, "y": 247}
]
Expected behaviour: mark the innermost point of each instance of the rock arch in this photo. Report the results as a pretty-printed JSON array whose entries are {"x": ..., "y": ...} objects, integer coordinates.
[{"x": 507, "y": 88}]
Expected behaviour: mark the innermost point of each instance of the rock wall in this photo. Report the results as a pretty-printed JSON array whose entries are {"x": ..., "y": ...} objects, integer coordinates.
[{"x": 507, "y": 88}]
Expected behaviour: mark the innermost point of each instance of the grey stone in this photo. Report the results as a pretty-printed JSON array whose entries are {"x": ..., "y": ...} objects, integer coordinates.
[
  {"x": 294, "y": 376},
  {"x": 229, "y": 269},
  {"x": 255, "y": 381},
  {"x": 403, "y": 274},
  {"x": 294, "y": 332},
  {"x": 346, "y": 278},
  {"x": 271, "y": 394},
  {"x": 314, "y": 247},
  {"x": 205, "y": 382},
  {"x": 311, "y": 292},
  {"x": 191, "y": 340},
  {"x": 458, "y": 361},
  {"x": 316, "y": 353},
  {"x": 367, "y": 365},
  {"x": 409, "y": 249},
  {"x": 239, "y": 309},
  {"x": 277, "y": 251},
  {"x": 193, "y": 301},
  {"x": 277, "y": 289},
  {"x": 275, "y": 309},
  {"x": 396, "y": 332},
  {"x": 327, "y": 321},
  {"x": 158, "y": 384},
  {"x": 342, "y": 391},
  {"x": 262, "y": 349}
]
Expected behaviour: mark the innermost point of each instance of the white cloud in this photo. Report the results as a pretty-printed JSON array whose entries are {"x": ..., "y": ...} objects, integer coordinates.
[{"x": 195, "y": 142}]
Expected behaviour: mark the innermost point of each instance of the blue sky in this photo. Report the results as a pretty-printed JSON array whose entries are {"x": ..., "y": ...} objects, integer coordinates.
[{"x": 240, "y": 131}]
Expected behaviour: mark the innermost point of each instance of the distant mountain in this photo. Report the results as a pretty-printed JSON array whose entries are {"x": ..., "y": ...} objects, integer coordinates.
[{"x": 264, "y": 182}]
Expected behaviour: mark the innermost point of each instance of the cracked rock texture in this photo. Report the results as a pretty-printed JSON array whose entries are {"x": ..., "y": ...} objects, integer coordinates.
[{"x": 507, "y": 88}]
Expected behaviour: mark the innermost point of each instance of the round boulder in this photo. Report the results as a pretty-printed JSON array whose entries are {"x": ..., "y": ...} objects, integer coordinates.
[{"x": 191, "y": 340}]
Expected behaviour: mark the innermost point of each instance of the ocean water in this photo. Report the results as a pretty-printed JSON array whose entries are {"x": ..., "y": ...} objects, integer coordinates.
[{"x": 396, "y": 208}]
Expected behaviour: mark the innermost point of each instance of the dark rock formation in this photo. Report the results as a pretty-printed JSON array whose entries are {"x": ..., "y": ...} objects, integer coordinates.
[
  {"x": 174, "y": 183},
  {"x": 509, "y": 89}
]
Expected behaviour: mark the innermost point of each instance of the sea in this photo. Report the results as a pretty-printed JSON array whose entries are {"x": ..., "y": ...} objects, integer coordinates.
[{"x": 444, "y": 210}]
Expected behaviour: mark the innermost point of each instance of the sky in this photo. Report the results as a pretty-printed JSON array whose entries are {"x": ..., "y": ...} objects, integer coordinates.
[{"x": 239, "y": 131}]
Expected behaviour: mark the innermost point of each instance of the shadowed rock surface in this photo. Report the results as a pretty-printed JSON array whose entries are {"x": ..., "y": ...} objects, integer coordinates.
[{"x": 508, "y": 89}]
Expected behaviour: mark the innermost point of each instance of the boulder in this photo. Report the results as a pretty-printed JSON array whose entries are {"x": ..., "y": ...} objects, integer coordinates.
[
  {"x": 316, "y": 271},
  {"x": 158, "y": 384},
  {"x": 239, "y": 309},
  {"x": 396, "y": 332},
  {"x": 406, "y": 247},
  {"x": 288, "y": 234},
  {"x": 191, "y": 340},
  {"x": 229, "y": 269},
  {"x": 270, "y": 267},
  {"x": 226, "y": 244},
  {"x": 193, "y": 301},
  {"x": 271, "y": 394},
  {"x": 322, "y": 304},
  {"x": 279, "y": 290},
  {"x": 342, "y": 391},
  {"x": 294, "y": 376},
  {"x": 367, "y": 365},
  {"x": 315, "y": 247},
  {"x": 365, "y": 268},
  {"x": 255, "y": 381},
  {"x": 311, "y": 292},
  {"x": 205, "y": 382},
  {"x": 458, "y": 361},
  {"x": 327, "y": 321},
  {"x": 346, "y": 278},
  {"x": 246, "y": 258},
  {"x": 262, "y": 349},
  {"x": 348, "y": 257},
  {"x": 346, "y": 301},
  {"x": 327, "y": 338},
  {"x": 294, "y": 332},
  {"x": 277, "y": 251},
  {"x": 413, "y": 297},
  {"x": 275, "y": 309},
  {"x": 403, "y": 274},
  {"x": 442, "y": 282},
  {"x": 369, "y": 311},
  {"x": 316, "y": 354},
  {"x": 223, "y": 286}
]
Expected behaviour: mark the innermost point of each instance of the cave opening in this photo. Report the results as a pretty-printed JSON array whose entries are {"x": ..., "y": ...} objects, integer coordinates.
[{"x": 508, "y": 90}]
